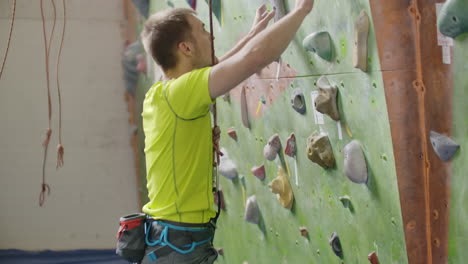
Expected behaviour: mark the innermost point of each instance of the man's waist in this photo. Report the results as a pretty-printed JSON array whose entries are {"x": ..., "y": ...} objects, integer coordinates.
[{"x": 187, "y": 218}]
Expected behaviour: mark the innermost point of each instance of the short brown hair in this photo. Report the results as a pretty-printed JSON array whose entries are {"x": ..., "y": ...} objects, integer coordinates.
[{"x": 163, "y": 31}]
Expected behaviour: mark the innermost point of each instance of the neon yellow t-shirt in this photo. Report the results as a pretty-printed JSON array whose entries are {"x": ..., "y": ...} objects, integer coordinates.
[{"x": 179, "y": 149}]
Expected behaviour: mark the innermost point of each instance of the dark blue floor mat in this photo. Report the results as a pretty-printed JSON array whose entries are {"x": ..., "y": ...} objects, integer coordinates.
[{"x": 13, "y": 256}]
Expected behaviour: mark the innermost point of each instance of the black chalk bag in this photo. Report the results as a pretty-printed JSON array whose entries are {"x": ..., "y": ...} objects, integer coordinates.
[{"x": 131, "y": 237}]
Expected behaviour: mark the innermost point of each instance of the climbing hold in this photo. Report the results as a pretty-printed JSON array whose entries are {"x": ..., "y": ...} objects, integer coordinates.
[
  {"x": 220, "y": 251},
  {"x": 373, "y": 258},
  {"x": 453, "y": 18},
  {"x": 221, "y": 196},
  {"x": 271, "y": 149},
  {"x": 354, "y": 162},
  {"x": 336, "y": 245},
  {"x": 259, "y": 172},
  {"x": 142, "y": 6},
  {"x": 319, "y": 43},
  {"x": 252, "y": 212},
  {"x": 326, "y": 100},
  {"x": 280, "y": 9},
  {"x": 443, "y": 146},
  {"x": 263, "y": 99},
  {"x": 361, "y": 33},
  {"x": 217, "y": 10},
  {"x": 346, "y": 201},
  {"x": 290, "y": 149},
  {"x": 244, "y": 109},
  {"x": 232, "y": 133},
  {"x": 280, "y": 185},
  {"x": 319, "y": 150},
  {"x": 298, "y": 101},
  {"x": 227, "y": 167},
  {"x": 304, "y": 231}
]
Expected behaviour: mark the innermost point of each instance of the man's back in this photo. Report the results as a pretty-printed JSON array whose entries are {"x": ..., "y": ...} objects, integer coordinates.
[{"x": 178, "y": 147}]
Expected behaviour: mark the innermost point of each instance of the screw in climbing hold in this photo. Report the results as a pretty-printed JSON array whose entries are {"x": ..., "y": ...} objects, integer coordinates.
[
  {"x": 336, "y": 245},
  {"x": 298, "y": 101},
  {"x": 319, "y": 150},
  {"x": 232, "y": 133},
  {"x": 252, "y": 211},
  {"x": 361, "y": 34},
  {"x": 443, "y": 146},
  {"x": 355, "y": 166},
  {"x": 272, "y": 148},
  {"x": 259, "y": 172},
  {"x": 372, "y": 257},
  {"x": 281, "y": 186},
  {"x": 326, "y": 101},
  {"x": 290, "y": 149},
  {"x": 319, "y": 43}
]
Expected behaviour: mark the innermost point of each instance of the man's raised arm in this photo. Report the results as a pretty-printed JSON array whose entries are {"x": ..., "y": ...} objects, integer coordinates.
[{"x": 260, "y": 51}]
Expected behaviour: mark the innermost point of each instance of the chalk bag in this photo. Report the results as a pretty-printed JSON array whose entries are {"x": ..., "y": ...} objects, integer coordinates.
[{"x": 131, "y": 237}]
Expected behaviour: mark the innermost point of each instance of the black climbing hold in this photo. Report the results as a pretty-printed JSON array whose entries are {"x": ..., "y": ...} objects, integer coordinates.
[
  {"x": 336, "y": 245},
  {"x": 443, "y": 146},
  {"x": 453, "y": 18},
  {"x": 319, "y": 43},
  {"x": 298, "y": 101}
]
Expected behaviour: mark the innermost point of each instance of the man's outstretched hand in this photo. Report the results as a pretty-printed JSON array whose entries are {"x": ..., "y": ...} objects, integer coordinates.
[{"x": 262, "y": 18}]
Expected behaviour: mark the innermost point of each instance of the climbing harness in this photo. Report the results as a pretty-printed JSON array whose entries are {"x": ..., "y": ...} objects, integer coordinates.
[{"x": 166, "y": 245}]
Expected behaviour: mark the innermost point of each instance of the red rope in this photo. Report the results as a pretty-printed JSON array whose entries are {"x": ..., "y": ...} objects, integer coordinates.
[
  {"x": 45, "y": 187},
  {"x": 60, "y": 149},
  {"x": 9, "y": 38}
]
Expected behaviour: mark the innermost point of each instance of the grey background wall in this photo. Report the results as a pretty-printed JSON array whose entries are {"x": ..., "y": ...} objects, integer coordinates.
[{"x": 97, "y": 183}]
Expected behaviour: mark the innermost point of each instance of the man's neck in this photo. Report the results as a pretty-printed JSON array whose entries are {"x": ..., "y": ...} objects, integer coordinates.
[{"x": 179, "y": 70}]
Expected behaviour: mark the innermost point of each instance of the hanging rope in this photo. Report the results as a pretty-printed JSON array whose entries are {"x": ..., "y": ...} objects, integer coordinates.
[
  {"x": 60, "y": 149},
  {"x": 9, "y": 37},
  {"x": 45, "y": 188}
]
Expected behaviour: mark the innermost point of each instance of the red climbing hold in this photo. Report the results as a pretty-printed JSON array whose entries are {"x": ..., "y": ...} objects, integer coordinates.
[
  {"x": 373, "y": 258},
  {"x": 290, "y": 149},
  {"x": 259, "y": 172}
]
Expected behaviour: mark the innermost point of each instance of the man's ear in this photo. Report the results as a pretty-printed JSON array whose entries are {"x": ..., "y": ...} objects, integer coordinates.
[{"x": 186, "y": 48}]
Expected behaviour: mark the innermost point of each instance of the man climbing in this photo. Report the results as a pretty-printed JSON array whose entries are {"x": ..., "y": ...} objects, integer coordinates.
[{"x": 177, "y": 123}]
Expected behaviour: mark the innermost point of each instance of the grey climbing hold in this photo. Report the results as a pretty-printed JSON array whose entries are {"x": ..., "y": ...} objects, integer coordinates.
[
  {"x": 290, "y": 148},
  {"x": 336, "y": 244},
  {"x": 319, "y": 43},
  {"x": 326, "y": 100},
  {"x": 280, "y": 9},
  {"x": 453, "y": 18},
  {"x": 227, "y": 167},
  {"x": 252, "y": 212},
  {"x": 232, "y": 133},
  {"x": 443, "y": 146},
  {"x": 361, "y": 34},
  {"x": 355, "y": 165},
  {"x": 244, "y": 109},
  {"x": 259, "y": 172},
  {"x": 272, "y": 147},
  {"x": 319, "y": 150},
  {"x": 298, "y": 101}
]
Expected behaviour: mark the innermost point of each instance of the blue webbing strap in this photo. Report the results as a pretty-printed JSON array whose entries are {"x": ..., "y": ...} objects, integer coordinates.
[{"x": 164, "y": 240}]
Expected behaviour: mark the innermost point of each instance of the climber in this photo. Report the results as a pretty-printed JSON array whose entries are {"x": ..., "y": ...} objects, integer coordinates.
[{"x": 177, "y": 122}]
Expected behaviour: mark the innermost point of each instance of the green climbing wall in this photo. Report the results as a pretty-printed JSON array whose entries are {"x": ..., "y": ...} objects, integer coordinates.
[
  {"x": 458, "y": 230},
  {"x": 374, "y": 223}
]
